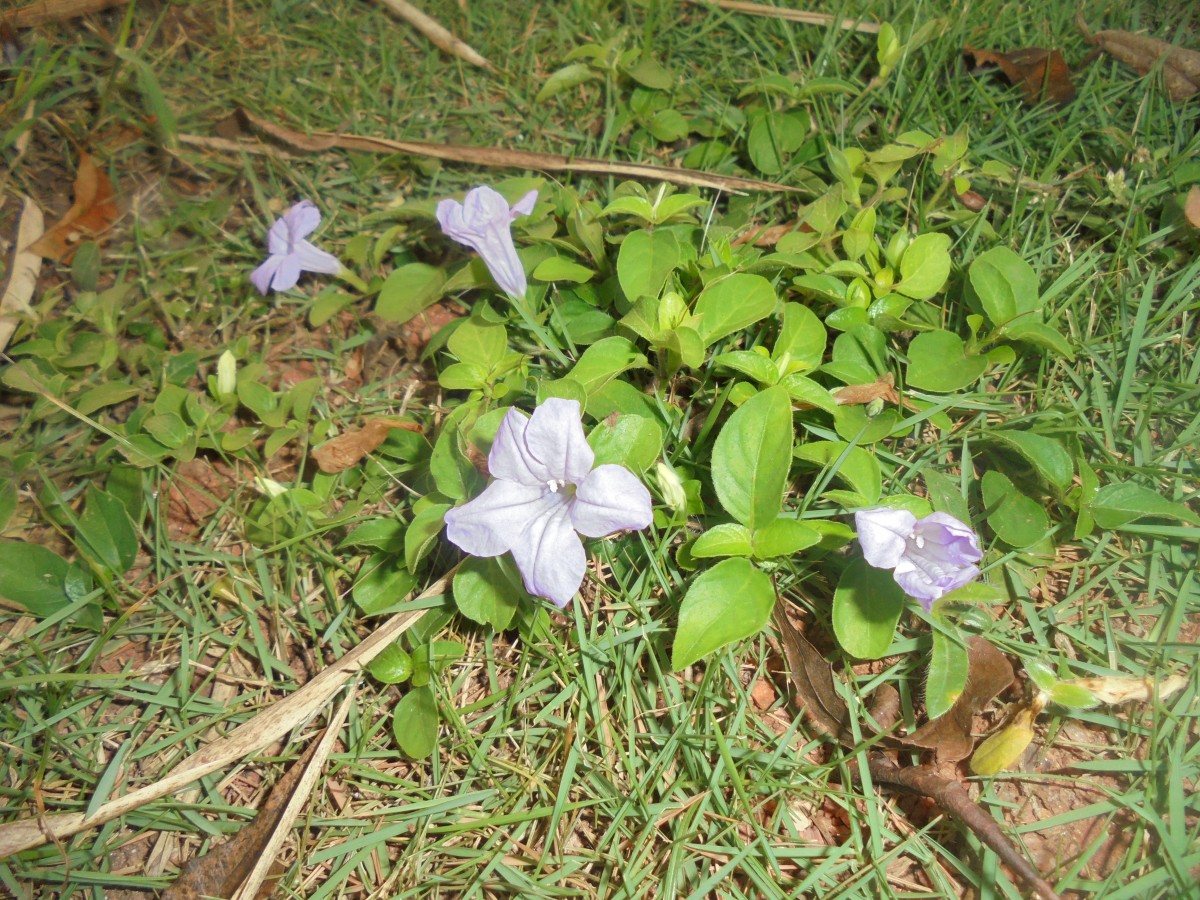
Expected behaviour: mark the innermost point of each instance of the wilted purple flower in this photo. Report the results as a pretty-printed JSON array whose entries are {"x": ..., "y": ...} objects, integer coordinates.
[
  {"x": 545, "y": 491},
  {"x": 483, "y": 222},
  {"x": 290, "y": 253},
  {"x": 928, "y": 557}
]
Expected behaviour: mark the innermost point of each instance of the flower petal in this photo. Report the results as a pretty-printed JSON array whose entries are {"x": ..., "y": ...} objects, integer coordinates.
[
  {"x": 482, "y": 222},
  {"x": 279, "y": 238},
  {"x": 450, "y": 217},
  {"x": 313, "y": 259},
  {"x": 610, "y": 499},
  {"x": 493, "y": 521},
  {"x": 262, "y": 276},
  {"x": 484, "y": 208},
  {"x": 524, "y": 206},
  {"x": 287, "y": 274},
  {"x": 554, "y": 439},
  {"x": 302, "y": 220},
  {"x": 946, "y": 538},
  {"x": 883, "y": 534},
  {"x": 927, "y": 582},
  {"x": 550, "y": 555},
  {"x": 508, "y": 459}
]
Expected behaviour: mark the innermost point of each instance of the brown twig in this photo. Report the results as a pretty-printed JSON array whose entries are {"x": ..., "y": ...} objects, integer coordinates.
[
  {"x": 54, "y": 11},
  {"x": 791, "y": 15},
  {"x": 436, "y": 33}
]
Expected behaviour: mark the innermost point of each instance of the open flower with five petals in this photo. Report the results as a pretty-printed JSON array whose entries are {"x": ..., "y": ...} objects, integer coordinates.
[
  {"x": 290, "y": 253},
  {"x": 929, "y": 557},
  {"x": 483, "y": 222},
  {"x": 545, "y": 494}
]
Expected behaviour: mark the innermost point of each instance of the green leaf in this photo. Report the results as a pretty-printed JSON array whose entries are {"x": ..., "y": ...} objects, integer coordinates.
[
  {"x": 1005, "y": 284},
  {"x": 1089, "y": 486},
  {"x": 564, "y": 79},
  {"x": 488, "y": 592},
  {"x": 108, "y": 394},
  {"x": 645, "y": 261},
  {"x": 859, "y": 468},
  {"x": 668, "y": 126},
  {"x": 415, "y": 723},
  {"x": 925, "y": 266},
  {"x": 1047, "y": 456},
  {"x": 168, "y": 429},
  {"x": 1041, "y": 674},
  {"x": 937, "y": 361},
  {"x": 392, "y": 666},
  {"x": 1115, "y": 505},
  {"x": 463, "y": 377},
  {"x": 866, "y": 607},
  {"x": 604, "y": 361},
  {"x": 726, "y": 539},
  {"x": 563, "y": 389},
  {"x": 1039, "y": 334},
  {"x": 559, "y": 268},
  {"x": 751, "y": 457},
  {"x": 802, "y": 338},
  {"x": 479, "y": 343},
  {"x": 805, "y": 390},
  {"x": 1001, "y": 749},
  {"x": 733, "y": 303},
  {"x": 33, "y": 577},
  {"x": 751, "y": 364},
  {"x": 106, "y": 533},
  {"x": 1018, "y": 520},
  {"x": 650, "y": 73},
  {"x": 382, "y": 582},
  {"x": 634, "y": 442},
  {"x": 422, "y": 534},
  {"x": 947, "y": 675},
  {"x": 384, "y": 533},
  {"x": 945, "y": 493},
  {"x": 731, "y": 601},
  {"x": 773, "y": 138},
  {"x": 1073, "y": 696},
  {"x": 783, "y": 537},
  {"x": 409, "y": 290}
]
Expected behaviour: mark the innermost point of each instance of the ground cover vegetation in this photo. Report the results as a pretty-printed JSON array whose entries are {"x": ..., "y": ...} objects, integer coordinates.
[{"x": 681, "y": 453}]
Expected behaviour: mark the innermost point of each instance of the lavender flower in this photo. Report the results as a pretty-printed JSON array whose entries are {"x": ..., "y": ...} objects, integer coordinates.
[
  {"x": 929, "y": 557},
  {"x": 483, "y": 222},
  {"x": 545, "y": 491},
  {"x": 290, "y": 253}
]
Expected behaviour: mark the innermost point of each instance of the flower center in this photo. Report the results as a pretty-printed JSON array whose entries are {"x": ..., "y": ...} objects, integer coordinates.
[{"x": 563, "y": 487}]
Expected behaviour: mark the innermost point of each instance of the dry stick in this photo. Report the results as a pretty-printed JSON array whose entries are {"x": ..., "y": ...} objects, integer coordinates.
[
  {"x": 792, "y": 15},
  {"x": 267, "y": 726},
  {"x": 22, "y": 273},
  {"x": 499, "y": 157},
  {"x": 54, "y": 11},
  {"x": 436, "y": 33}
]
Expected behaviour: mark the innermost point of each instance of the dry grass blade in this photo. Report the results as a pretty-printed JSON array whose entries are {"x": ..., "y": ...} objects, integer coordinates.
[
  {"x": 791, "y": 15},
  {"x": 23, "y": 273},
  {"x": 502, "y": 158},
  {"x": 55, "y": 11},
  {"x": 269, "y": 725},
  {"x": 433, "y": 30}
]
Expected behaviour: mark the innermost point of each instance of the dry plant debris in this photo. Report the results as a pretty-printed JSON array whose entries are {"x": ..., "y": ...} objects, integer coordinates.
[
  {"x": 1180, "y": 66},
  {"x": 346, "y": 450},
  {"x": 1042, "y": 75},
  {"x": 92, "y": 214}
]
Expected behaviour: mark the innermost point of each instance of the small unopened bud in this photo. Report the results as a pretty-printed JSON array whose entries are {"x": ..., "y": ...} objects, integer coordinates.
[
  {"x": 671, "y": 487},
  {"x": 226, "y": 375}
]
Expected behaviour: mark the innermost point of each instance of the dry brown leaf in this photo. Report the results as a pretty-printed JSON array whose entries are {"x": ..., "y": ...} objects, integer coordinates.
[
  {"x": 54, "y": 11},
  {"x": 769, "y": 235},
  {"x": 990, "y": 672},
  {"x": 23, "y": 273},
  {"x": 348, "y": 449},
  {"x": 93, "y": 213},
  {"x": 433, "y": 30},
  {"x": 1191, "y": 206},
  {"x": 502, "y": 158},
  {"x": 813, "y": 688},
  {"x": 1042, "y": 75},
  {"x": 1115, "y": 689},
  {"x": 221, "y": 871},
  {"x": 1180, "y": 66}
]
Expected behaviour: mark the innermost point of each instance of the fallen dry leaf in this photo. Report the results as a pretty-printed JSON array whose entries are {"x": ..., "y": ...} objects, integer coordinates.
[
  {"x": 346, "y": 450},
  {"x": 1191, "y": 206},
  {"x": 949, "y": 735},
  {"x": 222, "y": 870},
  {"x": 1113, "y": 689},
  {"x": 44, "y": 11},
  {"x": 93, "y": 213},
  {"x": 1042, "y": 75},
  {"x": 1180, "y": 66}
]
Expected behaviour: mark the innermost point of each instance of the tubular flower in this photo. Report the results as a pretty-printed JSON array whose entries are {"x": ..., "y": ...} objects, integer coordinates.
[
  {"x": 483, "y": 222},
  {"x": 290, "y": 253},
  {"x": 929, "y": 557},
  {"x": 545, "y": 494}
]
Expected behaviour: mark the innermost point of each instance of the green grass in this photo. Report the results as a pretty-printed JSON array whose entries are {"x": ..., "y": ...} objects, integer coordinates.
[{"x": 571, "y": 761}]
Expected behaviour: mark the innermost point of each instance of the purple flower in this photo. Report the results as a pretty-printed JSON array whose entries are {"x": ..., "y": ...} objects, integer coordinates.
[
  {"x": 929, "y": 557},
  {"x": 483, "y": 222},
  {"x": 290, "y": 253},
  {"x": 545, "y": 491}
]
